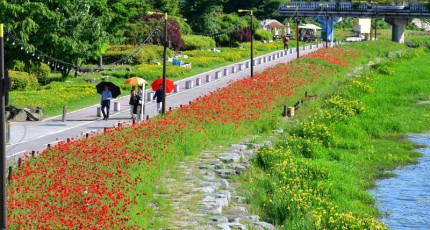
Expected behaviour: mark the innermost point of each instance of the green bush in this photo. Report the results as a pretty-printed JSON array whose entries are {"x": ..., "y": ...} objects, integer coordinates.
[
  {"x": 193, "y": 42},
  {"x": 22, "y": 80},
  {"x": 18, "y": 65},
  {"x": 263, "y": 35},
  {"x": 115, "y": 53},
  {"x": 151, "y": 53},
  {"x": 42, "y": 72}
]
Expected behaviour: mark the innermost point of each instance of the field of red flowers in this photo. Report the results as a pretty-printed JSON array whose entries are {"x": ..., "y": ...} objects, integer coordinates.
[{"x": 106, "y": 181}]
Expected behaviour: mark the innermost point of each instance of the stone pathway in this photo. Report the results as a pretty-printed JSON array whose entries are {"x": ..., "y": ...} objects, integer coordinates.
[{"x": 203, "y": 195}]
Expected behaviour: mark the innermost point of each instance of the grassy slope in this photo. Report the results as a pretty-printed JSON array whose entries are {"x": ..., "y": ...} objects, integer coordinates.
[{"x": 371, "y": 142}]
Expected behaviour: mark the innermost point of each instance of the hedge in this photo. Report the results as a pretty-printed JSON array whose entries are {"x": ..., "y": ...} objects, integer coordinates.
[
  {"x": 22, "y": 80},
  {"x": 263, "y": 35},
  {"x": 193, "y": 42}
]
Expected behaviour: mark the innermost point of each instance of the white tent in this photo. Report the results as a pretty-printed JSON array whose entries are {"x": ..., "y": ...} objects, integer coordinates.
[{"x": 309, "y": 26}]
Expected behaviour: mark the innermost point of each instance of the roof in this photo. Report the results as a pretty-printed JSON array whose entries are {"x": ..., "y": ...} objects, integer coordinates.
[
  {"x": 309, "y": 26},
  {"x": 272, "y": 23}
]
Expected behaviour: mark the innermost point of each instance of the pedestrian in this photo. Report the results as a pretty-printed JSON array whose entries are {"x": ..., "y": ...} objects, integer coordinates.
[
  {"x": 105, "y": 102},
  {"x": 159, "y": 95},
  {"x": 286, "y": 40},
  {"x": 138, "y": 101},
  {"x": 133, "y": 94}
]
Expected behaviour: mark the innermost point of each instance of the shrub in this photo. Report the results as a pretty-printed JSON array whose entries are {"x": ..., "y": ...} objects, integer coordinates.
[
  {"x": 243, "y": 35},
  {"x": 151, "y": 53},
  {"x": 42, "y": 72},
  {"x": 193, "y": 42},
  {"x": 18, "y": 65},
  {"x": 263, "y": 35},
  {"x": 22, "y": 80},
  {"x": 115, "y": 53}
]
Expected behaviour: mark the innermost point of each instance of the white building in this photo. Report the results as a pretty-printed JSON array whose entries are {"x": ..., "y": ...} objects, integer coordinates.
[{"x": 272, "y": 25}]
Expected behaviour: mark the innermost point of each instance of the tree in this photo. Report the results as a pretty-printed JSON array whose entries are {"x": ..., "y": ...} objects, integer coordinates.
[
  {"x": 71, "y": 31},
  {"x": 173, "y": 31},
  {"x": 262, "y": 8},
  {"x": 171, "y": 7},
  {"x": 124, "y": 13},
  {"x": 201, "y": 14}
]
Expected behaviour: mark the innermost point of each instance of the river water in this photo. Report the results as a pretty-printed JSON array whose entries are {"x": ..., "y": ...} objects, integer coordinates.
[{"x": 405, "y": 198}]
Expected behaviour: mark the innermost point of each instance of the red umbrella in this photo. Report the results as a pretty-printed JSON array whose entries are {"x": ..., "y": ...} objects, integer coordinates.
[{"x": 170, "y": 86}]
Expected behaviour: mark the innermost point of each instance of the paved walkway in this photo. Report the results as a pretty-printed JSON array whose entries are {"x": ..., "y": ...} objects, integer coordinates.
[{"x": 35, "y": 136}]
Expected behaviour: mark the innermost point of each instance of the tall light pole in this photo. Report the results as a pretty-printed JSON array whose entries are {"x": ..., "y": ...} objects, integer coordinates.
[
  {"x": 297, "y": 29},
  {"x": 3, "y": 216},
  {"x": 326, "y": 24},
  {"x": 376, "y": 17},
  {"x": 165, "y": 44},
  {"x": 252, "y": 39}
]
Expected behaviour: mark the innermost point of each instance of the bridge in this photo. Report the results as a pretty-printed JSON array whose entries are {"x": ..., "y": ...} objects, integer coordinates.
[{"x": 397, "y": 16}]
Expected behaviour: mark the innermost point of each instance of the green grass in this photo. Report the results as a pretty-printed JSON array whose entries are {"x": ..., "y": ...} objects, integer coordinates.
[{"x": 365, "y": 136}]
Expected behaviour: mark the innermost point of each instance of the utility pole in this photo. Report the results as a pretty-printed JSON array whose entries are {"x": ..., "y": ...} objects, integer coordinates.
[
  {"x": 3, "y": 216},
  {"x": 165, "y": 43},
  {"x": 252, "y": 39}
]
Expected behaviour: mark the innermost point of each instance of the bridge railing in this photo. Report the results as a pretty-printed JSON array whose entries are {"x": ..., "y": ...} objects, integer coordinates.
[{"x": 352, "y": 6}]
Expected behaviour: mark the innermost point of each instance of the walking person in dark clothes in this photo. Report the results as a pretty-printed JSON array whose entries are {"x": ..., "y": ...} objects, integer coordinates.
[
  {"x": 138, "y": 101},
  {"x": 105, "y": 102},
  {"x": 286, "y": 40},
  {"x": 132, "y": 101},
  {"x": 159, "y": 96}
]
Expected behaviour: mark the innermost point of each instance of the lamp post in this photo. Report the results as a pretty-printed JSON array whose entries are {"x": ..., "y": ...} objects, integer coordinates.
[
  {"x": 297, "y": 29},
  {"x": 326, "y": 24},
  {"x": 163, "y": 105},
  {"x": 376, "y": 17},
  {"x": 252, "y": 39},
  {"x": 3, "y": 216}
]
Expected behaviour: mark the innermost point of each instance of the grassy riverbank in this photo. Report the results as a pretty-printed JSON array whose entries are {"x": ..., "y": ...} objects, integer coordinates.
[{"x": 317, "y": 175}]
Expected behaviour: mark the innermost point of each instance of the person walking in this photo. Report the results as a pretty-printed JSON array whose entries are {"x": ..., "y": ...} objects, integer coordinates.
[
  {"x": 159, "y": 96},
  {"x": 132, "y": 101},
  {"x": 138, "y": 101},
  {"x": 105, "y": 102},
  {"x": 286, "y": 40}
]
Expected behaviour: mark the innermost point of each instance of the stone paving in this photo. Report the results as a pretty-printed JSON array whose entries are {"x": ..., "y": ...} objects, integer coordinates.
[{"x": 207, "y": 197}]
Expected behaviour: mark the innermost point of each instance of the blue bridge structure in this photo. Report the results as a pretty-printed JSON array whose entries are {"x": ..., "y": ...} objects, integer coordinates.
[{"x": 399, "y": 16}]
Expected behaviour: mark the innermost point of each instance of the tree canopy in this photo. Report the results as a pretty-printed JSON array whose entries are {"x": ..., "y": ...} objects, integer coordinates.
[{"x": 69, "y": 30}]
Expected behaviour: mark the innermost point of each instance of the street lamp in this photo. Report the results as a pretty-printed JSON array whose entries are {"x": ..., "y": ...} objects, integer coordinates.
[
  {"x": 252, "y": 39},
  {"x": 297, "y": 29},
  {"x": 3, "y": 219},
  {"x": 165, "y": 44},
  {"x": 376, "y": 16}
]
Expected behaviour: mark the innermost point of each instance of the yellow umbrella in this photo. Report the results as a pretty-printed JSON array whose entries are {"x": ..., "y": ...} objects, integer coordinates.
[
  {"x": 135, "y": 81},
  {"x": 138, "y": 81}
]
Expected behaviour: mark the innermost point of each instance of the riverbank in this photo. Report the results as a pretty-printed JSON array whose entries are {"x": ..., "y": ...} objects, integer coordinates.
[{"x": 331, "y": 153}]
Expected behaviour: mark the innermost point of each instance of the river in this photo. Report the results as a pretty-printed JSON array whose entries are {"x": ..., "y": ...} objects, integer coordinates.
[{"x": 405, "y": 198}]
